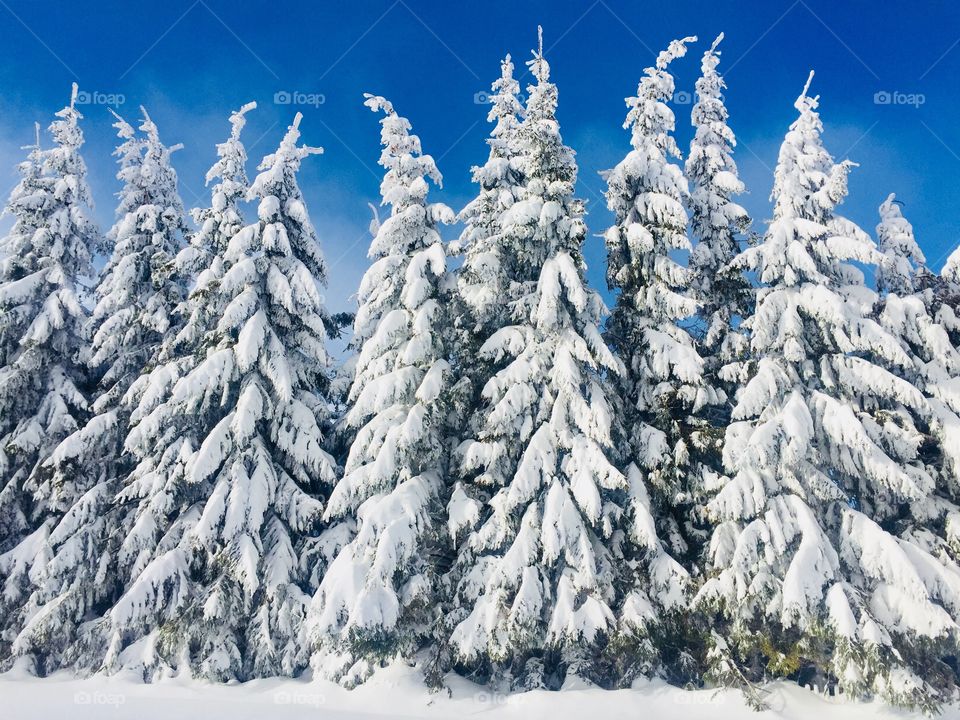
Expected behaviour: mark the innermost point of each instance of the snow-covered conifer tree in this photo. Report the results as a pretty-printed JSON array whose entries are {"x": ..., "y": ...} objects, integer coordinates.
[
  {"x": 716, "y": 221},
  {"x": 217, "y": 512},
  {"x": 379, "y": 596},
  {"x": 807, "y": 579},
  {"x": 663, "y": 384},
  {"x": 914, "y": 311},
  {"x": 49, "y": 252},
  {"x": 535, "y": 575},
  {"x": 27, "y": 205},
  {"x": 138, "y": 293}
]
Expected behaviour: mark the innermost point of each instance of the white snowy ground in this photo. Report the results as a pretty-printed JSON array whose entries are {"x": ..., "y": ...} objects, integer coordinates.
[{"x": 398, "y": 692}]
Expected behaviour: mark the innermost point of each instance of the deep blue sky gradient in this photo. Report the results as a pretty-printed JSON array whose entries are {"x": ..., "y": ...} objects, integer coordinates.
[{"x": 192, "y": 62}]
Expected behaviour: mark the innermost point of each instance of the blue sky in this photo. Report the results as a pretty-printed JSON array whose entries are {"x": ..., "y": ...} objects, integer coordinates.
[{"x": 191, "y": 62}]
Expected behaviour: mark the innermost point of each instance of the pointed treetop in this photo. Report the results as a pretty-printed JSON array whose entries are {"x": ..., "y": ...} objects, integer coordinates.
[
  {"x": 538, "y": 65},
  {"x": 288, "y": 151},
  {"x": 716, "y": 43},
  {"x": 378, "y": 103},
  {"x": 676, "y": 49},
  {"x": 36, "y": 142},
  {"x": 73, "y": 95},
  {"x": 124, "y": 129},
  {"x": 237, "y": 119},
  {"x": 805, "y": 102}
]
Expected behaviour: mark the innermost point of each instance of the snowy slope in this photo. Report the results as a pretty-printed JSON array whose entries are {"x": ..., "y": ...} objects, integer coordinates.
[{"x": 398, "y": 692}]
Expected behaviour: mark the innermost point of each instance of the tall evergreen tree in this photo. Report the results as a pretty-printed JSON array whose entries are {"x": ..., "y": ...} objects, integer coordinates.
[
  {"x": 535, "y": 571},
  {"x": 49, "y": 251},
  {"x": 217, "y": 512},
  {"x": 47, "y": 256},
  {"x": 27, "y": 205},
  {"x": 663, "y": 385},
  {"x": 807, "y": 580},
  {"x": 913, "y": 310},
  {"x": 380, "y": 596}
]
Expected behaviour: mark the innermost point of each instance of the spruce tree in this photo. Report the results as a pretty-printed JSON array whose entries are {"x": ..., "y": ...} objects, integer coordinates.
[
  {"x": 663, "y": 385},
  {"x": 47, "y": 256},
  {"x": 535, "y": 577},
  {"x": 27, "y": 205},
  {"x": 217, "y": 513},
  {"x": 913, "y": 310},
  {"x": 806, "y": 579},
  {"x": 902, "y": 259},
  {"x": 380, "y": 596},
  {"x": 48, "y": 261}
]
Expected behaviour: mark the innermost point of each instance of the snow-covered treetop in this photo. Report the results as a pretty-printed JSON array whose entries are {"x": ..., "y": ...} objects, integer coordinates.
[
  {"x": 807, "y": 183},
  {"x": 902, "y": 256},
  {"x": 412, "y": 222},
  {"x": 505, "y": 111},
  {"x": 404, "y": 183},
  {"x": 219, "y": 221},
  {"x": 278, "y": 180},
  {"x": 646, "y": 191},
  {"x": 650, "y": 119},
  {"x": 136, "y": 295},
  {"x": 712, "y": 172},
  {"x": 64, "y": 160},
  {"x": 203, "y": 257},
  {"x": 807, "y": 242}
]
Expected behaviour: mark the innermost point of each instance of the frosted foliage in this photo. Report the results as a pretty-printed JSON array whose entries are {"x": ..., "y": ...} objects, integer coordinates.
[
  {"x": 820, "y": 440},
  {"x": 379, "y": 596},
  {"x": 951, "y": 269},
  {"x": 136, "y": 295}
]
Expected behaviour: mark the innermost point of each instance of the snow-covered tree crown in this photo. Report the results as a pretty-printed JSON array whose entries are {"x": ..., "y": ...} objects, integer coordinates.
[{"x": 902, "y": 257}]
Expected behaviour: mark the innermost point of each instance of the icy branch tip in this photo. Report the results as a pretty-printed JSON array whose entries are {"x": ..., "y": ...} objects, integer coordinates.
[{"x": 806, "y": 87}]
